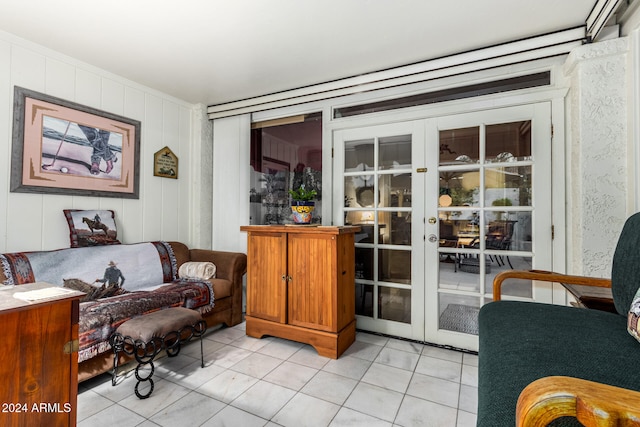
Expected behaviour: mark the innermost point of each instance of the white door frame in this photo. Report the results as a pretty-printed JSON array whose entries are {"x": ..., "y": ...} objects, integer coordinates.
[
  {"x": 554, "y": 108},
  {"x": 540, "y": 116},
  {"x": 414, "y": 330}
]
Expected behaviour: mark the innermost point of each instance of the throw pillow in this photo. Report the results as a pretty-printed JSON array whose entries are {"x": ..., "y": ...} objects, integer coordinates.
[
  {"x": 197, "y": 270},
  {"x": 91, "y": 227},
  {"x": 633, "y": 325}
]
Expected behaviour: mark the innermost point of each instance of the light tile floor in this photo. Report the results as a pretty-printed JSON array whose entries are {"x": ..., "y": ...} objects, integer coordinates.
[{"x": 272, "y": 382}]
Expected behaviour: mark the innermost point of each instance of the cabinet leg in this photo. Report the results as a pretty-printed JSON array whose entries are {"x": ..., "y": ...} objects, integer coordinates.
[{"x": 327, "y": 344}]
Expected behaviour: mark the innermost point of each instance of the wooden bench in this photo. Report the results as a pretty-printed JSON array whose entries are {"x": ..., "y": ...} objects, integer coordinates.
[{"x": 145, "y": 336}]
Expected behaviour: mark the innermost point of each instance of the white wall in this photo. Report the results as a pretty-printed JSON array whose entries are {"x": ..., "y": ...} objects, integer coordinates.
[
  {"x": 165, "y": 209},
  {"x": 230, "y": 210},
  {"x": 598, "y": 177}
]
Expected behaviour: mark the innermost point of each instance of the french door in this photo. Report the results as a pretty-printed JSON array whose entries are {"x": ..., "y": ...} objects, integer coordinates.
[
  {"x": 444, "y": 204},
  {"x": 379, "y": 190}
]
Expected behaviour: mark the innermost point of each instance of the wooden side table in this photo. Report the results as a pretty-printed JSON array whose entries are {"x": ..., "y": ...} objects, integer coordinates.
[
  {"x": 593, "y": 297},
  {"x": 39, "y": 356}
]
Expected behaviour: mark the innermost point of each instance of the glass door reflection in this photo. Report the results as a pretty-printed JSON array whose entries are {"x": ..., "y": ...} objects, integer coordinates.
[{"x": 484, "y": 210}]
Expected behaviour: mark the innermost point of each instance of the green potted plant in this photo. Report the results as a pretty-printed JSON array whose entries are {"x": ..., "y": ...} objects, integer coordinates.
[
  {"x": 501, "y": 202},
  {"x": 302, "y": 204}
]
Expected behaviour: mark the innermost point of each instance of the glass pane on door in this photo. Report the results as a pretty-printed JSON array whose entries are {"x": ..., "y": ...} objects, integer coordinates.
[
  {"x": 377, "y": 198},
  {"x": 484, "y": 215}
]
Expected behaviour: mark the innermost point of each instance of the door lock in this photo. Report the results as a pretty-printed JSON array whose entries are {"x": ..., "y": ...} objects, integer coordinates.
[
  {"x": 433, "y": 238},
  {"x": 433, "y": 220}
]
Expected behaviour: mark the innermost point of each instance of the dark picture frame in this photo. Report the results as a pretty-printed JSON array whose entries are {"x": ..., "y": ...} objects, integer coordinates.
[{"x": 61, "y": 147}]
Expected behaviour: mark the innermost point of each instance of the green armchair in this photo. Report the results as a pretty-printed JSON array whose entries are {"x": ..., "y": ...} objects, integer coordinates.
[{"x": 567, "y": 365}]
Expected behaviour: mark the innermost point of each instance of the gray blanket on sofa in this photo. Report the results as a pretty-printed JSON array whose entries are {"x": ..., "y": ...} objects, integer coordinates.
[{"x": 131, "y": 267}]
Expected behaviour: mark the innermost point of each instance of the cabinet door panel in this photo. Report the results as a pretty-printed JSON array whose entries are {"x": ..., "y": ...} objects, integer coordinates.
[
  {"x": 345, "y": 287},
  {"x": 312, "y": 267},
  {"x": 34, "y": 367},
  {"x": 266, "y": 273}
]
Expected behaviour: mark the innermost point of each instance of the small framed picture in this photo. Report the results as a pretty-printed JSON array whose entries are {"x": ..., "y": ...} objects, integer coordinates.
[{"x": 165, "y": 164}]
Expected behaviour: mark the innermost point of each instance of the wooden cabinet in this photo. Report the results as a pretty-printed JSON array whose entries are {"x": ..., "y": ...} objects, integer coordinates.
[
  {"x": 300, "y": 285},
  {"x": 39, "y": 358}
]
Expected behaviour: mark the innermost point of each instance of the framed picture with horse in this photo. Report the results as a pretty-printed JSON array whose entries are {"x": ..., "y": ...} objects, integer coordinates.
[
  {"x": 91, "y": 227},
  {"x": 60, "y": 147}
]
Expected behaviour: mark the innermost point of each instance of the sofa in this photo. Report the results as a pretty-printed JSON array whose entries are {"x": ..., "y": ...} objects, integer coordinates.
[
  {"x": 125, "y": 281},
  {"x": 543, "y": 364}
]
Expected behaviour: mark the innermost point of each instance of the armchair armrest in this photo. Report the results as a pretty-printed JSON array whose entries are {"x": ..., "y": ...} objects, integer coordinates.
[
  {"x": 547, "y": 276},
  {"x": 593, "y": 404},
  {"x": 229, "y": 265}
]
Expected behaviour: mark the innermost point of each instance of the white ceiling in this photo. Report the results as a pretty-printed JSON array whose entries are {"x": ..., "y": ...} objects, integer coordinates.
[{"x": 215, "y": 51}]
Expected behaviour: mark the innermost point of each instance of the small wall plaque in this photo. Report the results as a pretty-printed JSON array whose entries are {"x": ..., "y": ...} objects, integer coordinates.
[{"x": 165, "y": 164}]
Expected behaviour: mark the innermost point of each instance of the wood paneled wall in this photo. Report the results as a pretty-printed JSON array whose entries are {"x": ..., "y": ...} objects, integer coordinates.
[{"x": 165, "y": 209}]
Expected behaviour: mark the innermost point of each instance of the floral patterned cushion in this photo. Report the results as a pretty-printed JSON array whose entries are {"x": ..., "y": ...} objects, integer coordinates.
[{"x": 633, "y": 325}]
